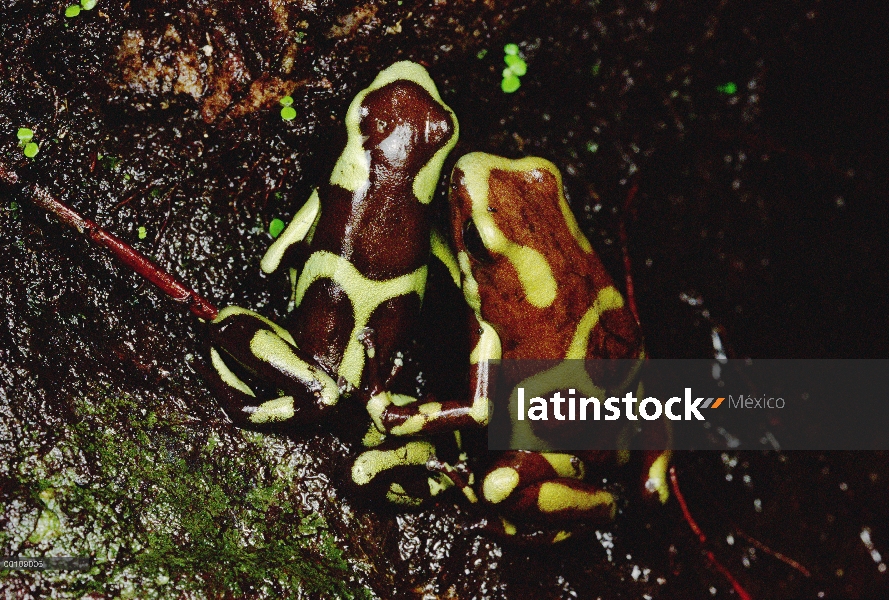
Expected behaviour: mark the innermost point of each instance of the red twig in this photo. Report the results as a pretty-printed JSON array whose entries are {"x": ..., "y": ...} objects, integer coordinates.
[
  {"x": 199, "y": 305},
  {"x": 739, "y": 589},
  {"x": 628, "y": 263},
  {"x": 774, "y": 553}
]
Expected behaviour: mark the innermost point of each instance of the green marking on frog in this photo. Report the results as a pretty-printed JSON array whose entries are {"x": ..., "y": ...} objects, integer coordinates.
[
  {"x": 279, "y": 409},
  {"x": 499, "y": 484},
  {"x": 439, "y": 484},
  {"x": 270, "y": 348},
  {"x": 556, "y": 497},
  {"x": 231, "y": 311},
  {"x": 398, "y": 495},
  {"x": 298, "y": 229},
  {"x": 565, "y": 465},
  {"x": 657, "y": 477},
  {"x": 227, "y": 375},
  {"x": 607, "y": 299},
  {"x": 439, "y": 248},
  {"x": 365, "y": 294}
]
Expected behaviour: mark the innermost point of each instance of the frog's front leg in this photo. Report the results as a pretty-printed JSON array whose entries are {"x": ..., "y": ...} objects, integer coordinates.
[{"x": 399, "y": 414}]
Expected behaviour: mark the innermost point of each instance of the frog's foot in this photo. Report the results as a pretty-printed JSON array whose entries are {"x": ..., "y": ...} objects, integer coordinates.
[
  {"x": 245, "y": 344},
  {"x": 541, "y": 497},
  {"x": 405, "y": 473}
]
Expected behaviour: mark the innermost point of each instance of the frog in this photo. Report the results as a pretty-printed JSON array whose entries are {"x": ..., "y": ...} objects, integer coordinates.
[
  {"x": 534, "y": 282},
  {"x": 358, "y": 254}
]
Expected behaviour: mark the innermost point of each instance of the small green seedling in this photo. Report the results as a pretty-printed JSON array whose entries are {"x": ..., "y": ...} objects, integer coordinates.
[
  {"x": 288, "y": 113},
  {"x": 276, "y": 227},
  {"x": 516, "y": 67}
]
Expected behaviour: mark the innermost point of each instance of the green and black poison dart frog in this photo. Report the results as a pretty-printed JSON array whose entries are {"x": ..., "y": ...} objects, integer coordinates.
[
  {"x": 358, "y": 254},
  {"x": 534, "y": 282}
]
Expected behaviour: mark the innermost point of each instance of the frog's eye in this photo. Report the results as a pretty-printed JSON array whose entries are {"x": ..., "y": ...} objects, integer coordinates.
[{"x": 474, "y": 244}]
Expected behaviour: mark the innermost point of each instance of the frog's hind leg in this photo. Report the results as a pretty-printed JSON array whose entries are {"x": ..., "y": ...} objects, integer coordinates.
[
  {"x": 245, "y": 349},
  {"x": 542, "y": 497}
]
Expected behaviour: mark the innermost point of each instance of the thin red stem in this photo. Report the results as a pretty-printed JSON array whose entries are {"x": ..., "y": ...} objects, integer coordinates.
[
  {"x": 739, "y": 589},
  {"x": 196, "y": 303},
  {"x": 766, "y": 550},
  {"x": 624, "y": 243}
]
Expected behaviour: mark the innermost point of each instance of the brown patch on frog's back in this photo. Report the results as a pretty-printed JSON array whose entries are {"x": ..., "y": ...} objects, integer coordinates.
[
  {"x": 323, "y": 322},
  {"x": 526, "y": 210},
  {"x": 391, "y": 335}
]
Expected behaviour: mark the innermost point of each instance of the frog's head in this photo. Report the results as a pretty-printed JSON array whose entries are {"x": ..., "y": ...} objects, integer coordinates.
[
  {"x": 527, "y": 268},
  {"x": 399, "y": 127},
  {"x": 403, "y": 126}
]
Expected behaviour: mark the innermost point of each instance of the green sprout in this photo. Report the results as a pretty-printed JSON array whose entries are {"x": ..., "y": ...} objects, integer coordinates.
[
  {"x": 24, "y": 135},
  {"x": 72, "y": 11},
  {"x": 88, "y": 4},
  {"x": 143, "y": 233},
  {"x": 288, "y": 113},
  {"x": 729, "y": 88},
  {"x": 516, "y": 64},
  {"x": 481, "y": 53},
  {"x": 276, "y": 227},
  {"x": 515, "y": 68},
  {"x": 510, "y": 84},
  {"x": 31, "y": 149}
]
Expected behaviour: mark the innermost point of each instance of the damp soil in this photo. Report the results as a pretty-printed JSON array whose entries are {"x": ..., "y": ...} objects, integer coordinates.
[{"x": 741, "y": 146}]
